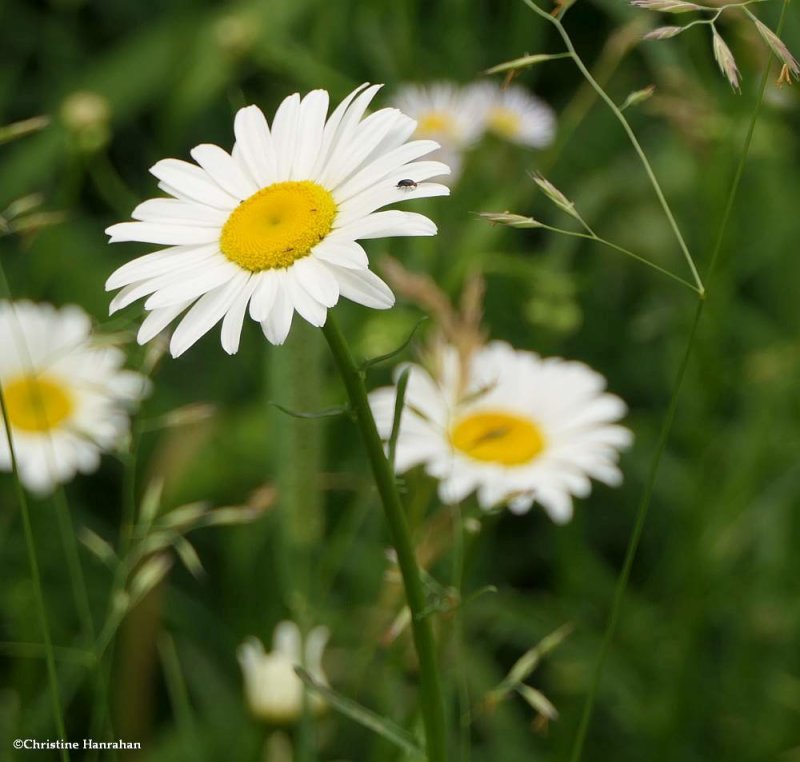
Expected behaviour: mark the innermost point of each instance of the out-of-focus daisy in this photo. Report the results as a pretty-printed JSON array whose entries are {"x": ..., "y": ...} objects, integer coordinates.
[
  {"x": 447, "y": 113},
  {"x": 66, "y": 396},
  {"x": 516, "y": 427},
  {"x": 273, "y": 227},
  {"x": 273, "y": 690},
  {"x": 514, "y": 114}
]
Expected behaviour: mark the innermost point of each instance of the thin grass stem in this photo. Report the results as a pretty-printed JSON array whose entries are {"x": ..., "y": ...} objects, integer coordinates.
[
  {"x": 30, "y": 546},
  {"x": 631, "y": 135},
  {"x": 633, "y": 543}
]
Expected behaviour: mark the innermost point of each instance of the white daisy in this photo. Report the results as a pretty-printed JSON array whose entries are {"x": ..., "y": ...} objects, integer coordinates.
[
  {"x": 273, "y": 226},
  {"x": 65, "y": 396},
  {"x": 518, "y": 428},
  {"x": 446, "y": 113},
  {"x": 514, "y": 114},
  {"x": 273, "y": 690}
]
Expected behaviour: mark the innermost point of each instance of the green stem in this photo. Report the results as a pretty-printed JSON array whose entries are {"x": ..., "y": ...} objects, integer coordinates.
[
  {"x": 32, "y": 560},
  {"x": 631, "y": 135},
  {"x": 642, "y": 512},
  {"x": 462, "y": 682},
  {"x": 633, "y": 542},
  {"x": 431, "y": 696},
  {"x": 591, "y": 236},
  {"x": 49, "y": 655}
]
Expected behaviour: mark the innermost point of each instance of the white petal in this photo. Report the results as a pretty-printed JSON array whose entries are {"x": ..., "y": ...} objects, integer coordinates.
[
  {"x": 305, "y": 304},
  {"x": 264, "y": 294},
  {"x": 556, "y": 503},
  {"x": 157, "y": 320},
  {"x": 191, "y": 182},
  {"x": 205, "y": 314},
  {"x": 341, "y": 124},
  {"x": 354, "y": 149},
  {"x": 364, "y": 287},
  {"x": 317, "y": 280},
  {"x": 174, "y": 211},
  {"x": 311, "y": 123},
  {"x": 224, "y": 170},
  {"x": 383, "y": 166},
  {"x": 160, "y": 233},
  {"x": 384, "y": 225},
  {"x": 349, "y": 254},
  {"x": 277, "y": 324},
  {"x": 234, "y": 317},
  {"x": 376, "y": 197},
  {"x": 191, "y": 286},
  {"x": 159, "y": 263},
  {"x": 255, "y": 142},
  {"x": 284, "y": 135}
]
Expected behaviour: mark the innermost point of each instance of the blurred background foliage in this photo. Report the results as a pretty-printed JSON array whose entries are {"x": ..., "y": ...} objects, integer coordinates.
[{"x": 706, "y": 664}]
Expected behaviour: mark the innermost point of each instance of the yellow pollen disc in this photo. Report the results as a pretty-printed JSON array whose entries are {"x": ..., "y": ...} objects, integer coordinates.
[
  {"x": 435, "y": 123},
  {"x": 37, "y": 403},
  {"x": 505, "y": 122},
  {"x": 498, "y": 438},
  {"x": 278, "y": 225}
]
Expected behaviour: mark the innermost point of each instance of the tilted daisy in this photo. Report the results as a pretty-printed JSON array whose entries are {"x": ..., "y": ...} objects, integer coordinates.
[
  {"x": 66, "y": 396},
  {"x": 447, "y": 113},
  {"x": 273, "y": 227},
  {"x": 515, "y": 427},
  {"x": 514, "y": 114}
]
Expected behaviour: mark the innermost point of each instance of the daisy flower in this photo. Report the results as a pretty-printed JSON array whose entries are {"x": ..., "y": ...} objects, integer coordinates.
[
  {"x": 446, "y": 113},
  {"x": 514, "y": 114},
  {"x": 273, "y": 690},
  {"x": 273, "y": 227},
  {"x": 65, "y": 396},
  {"x": 517, "y": 428}
]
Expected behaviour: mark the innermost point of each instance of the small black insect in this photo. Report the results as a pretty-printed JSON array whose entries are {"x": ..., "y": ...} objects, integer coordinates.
[{"x": 407, "y": 184}]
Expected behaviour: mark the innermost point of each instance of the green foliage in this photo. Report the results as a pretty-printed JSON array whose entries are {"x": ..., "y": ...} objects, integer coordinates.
[{"x": 705, "y": 664}]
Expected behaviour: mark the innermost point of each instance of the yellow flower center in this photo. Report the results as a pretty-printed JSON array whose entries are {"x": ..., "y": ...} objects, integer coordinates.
[
  {"x": 436, "y": 123},
  {"x": 278, "y": 225},
  {"x": 497, "y": 437},
  {"x": 35, "y": 403},
  {"x": 505, "y": 122}
]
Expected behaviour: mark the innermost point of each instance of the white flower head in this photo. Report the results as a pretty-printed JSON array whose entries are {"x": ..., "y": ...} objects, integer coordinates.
[
  {"x": 67, "y": 397},
  {"x": 447, "y": 113},
  {"x": 514, "y": 114},
  {"x": 273, "y": 227},
  {"x": 517, "y": 429},
  {"x": 273, "y": 690}
]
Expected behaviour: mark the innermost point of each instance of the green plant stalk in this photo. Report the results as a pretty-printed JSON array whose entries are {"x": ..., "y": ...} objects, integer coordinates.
[
  {"x": 462, "y": 681},
  {"x": 49, "y": 655},
  {"x": 667, "y": 425},
  {"x": 591, "y": 236},
  {"x": 631, "y": 135},
  {"x": 431, "y": 695},
  {"x": 32, "y": 560},
  {"x": 633, "y": 542},
  {"x": 294, "y": 379}
]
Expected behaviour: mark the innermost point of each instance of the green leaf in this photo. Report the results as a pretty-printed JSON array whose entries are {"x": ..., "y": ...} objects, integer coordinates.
[
  {"x": 538, "y": 701},
  {"x": 328, "y": 412},
  {"x": 528, "y": 662},
  {"x": 367, "y": 364},
  {"x": 525, "y": 61},
  {"x": 363, "y": 716},
  {"x": 402, "y": 384}
]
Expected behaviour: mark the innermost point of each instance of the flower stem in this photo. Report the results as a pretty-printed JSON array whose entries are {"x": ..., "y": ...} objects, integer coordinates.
[
  {"x": 631, "y": 135},
  {"x": 49, "y": 655},
  {"x": 633, "y": 542},
  {"x": 431, "y": 696}
]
